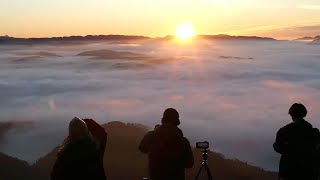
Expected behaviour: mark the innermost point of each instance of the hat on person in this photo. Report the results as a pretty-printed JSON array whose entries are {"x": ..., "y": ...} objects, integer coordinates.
[{"x": 78, "y": 128}]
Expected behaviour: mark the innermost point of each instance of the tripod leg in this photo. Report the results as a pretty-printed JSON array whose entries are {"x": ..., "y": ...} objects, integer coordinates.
[
  {"x": 199, "y": 172},
  {"x": 208, "y": 172}
]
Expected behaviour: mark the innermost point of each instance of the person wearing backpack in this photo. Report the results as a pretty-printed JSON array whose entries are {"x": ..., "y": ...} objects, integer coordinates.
[
  {"x": 169, "y": 152},
  {"x": 298, "y": 144},
  {"x": 80, "y": 156}
]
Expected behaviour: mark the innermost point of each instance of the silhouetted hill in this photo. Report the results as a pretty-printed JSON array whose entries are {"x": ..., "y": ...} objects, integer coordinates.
[
  {"x": 224, "y": 37},
  {"x": 305, "y": 39},
  {"x": 228, "y": 37},
  {"x": 124, "y": 161},
  {"x": 15, "y": 169},
  {"x": 109, "y": 54},
  {"x": 68, "y": 39},
  {"x": 316, "y": 40},
  {"x": 123, "y": 39},
  {"x": 309, "y": 38}
]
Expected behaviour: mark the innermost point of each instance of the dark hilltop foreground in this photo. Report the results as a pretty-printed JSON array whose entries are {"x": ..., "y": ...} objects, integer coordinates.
[{"x": 124, "y": 161}]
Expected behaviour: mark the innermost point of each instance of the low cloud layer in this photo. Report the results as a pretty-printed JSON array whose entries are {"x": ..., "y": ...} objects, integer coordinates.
[
  {"x": 237, "y": 103},
  {"x": 6, "y": 127}
]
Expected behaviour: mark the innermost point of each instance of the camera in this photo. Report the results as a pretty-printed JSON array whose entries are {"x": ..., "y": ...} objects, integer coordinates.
[{"x": 202, "y": 145}]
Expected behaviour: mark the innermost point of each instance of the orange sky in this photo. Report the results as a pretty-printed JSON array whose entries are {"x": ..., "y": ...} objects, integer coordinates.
[{"x": 285, "y": 19}]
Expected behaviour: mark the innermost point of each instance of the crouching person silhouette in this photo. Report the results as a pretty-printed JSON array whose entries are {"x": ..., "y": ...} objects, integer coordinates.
[
  {"x": 79, "y": 158},
  {"x": 298, "y": 144},
  {"x": 169, "y": 152}
]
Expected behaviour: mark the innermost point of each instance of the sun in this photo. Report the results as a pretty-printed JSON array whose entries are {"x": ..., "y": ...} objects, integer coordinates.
[{"x": 185, "y": 31}]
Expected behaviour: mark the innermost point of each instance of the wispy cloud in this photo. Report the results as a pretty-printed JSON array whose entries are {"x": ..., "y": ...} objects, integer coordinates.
[{"x": 310, "y": 6}]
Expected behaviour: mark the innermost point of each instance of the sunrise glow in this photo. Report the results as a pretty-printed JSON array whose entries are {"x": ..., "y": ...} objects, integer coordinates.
[{"x": 185, "y": 31}]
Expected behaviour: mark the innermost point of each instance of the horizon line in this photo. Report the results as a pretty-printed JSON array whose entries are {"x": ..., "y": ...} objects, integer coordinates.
[{"x": 132, "y": 35}]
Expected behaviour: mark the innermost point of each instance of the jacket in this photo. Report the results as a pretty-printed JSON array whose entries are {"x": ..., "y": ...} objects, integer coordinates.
[
  {"x": 169, "y": 153},
  {"x": 79, "y": 159},
  {"x": 297, "y": 143}
]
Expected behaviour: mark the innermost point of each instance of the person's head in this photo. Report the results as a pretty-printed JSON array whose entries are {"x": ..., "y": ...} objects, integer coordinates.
[
  {"x": 298, "y": 111},
  {"x": 171, "y": 116},
  {"x": 78, "y": 128}
]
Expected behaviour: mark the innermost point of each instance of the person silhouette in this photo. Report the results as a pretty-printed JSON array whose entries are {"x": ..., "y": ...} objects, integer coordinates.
[
  {"x": 298, "y": 144},
  {"x": 169, "y": 152},
  {"x": 79, "y": 158}
]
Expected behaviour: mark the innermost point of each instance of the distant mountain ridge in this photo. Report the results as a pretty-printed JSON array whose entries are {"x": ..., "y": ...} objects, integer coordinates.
[
  {"x": 123, "y": 160},
  {"x": 225, "y": 37},
  {"x": 68, "y": 39},
  {"x": 78, "y": 39},
  {"x": 316, "y": 40},
  {"x": 309, "y": 38},
  {"x": 228, "y": 37}
]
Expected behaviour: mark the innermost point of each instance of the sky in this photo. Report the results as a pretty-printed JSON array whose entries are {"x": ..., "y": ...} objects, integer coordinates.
[{"x": 285, "y": 19}]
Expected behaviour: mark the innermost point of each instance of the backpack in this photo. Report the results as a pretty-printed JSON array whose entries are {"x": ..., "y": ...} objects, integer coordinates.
[{"x": 99, "y": 134}]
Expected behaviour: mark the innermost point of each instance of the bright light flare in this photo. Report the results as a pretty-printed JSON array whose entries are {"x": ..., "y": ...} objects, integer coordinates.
[{"x": 185, "y": 31}]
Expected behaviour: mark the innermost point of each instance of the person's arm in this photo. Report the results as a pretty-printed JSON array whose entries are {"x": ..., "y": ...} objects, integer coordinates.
[
  {"x": 188, "y": 155},
  {"x": 316, "y": 139},
  {"x": 281, "y": 145},
  {"x": 145, "y": 142}
]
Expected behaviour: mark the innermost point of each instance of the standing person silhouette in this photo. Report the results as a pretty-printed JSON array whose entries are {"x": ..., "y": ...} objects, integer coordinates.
[
  {"x": 298, "y": 143},
  {"x": 80, "y": 157},
  {"x": 169, "y": 152}
]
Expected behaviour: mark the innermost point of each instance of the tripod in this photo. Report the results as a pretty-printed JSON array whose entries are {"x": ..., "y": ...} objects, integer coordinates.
[{"x": 204, "y": 165}]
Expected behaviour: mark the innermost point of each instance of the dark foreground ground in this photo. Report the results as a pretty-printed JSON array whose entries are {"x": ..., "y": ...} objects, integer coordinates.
[{"x": 123, "y": 161}]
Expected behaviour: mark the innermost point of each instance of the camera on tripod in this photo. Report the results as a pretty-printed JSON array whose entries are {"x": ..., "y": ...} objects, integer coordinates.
[
  {"x": 202, "y": 145},
  {"x": 204, "y": 165}
]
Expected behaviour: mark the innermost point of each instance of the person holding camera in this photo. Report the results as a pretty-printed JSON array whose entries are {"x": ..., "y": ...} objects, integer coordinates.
[
  {"x": 298, "y": 144},
  {"x": 169, "y": 152}
]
